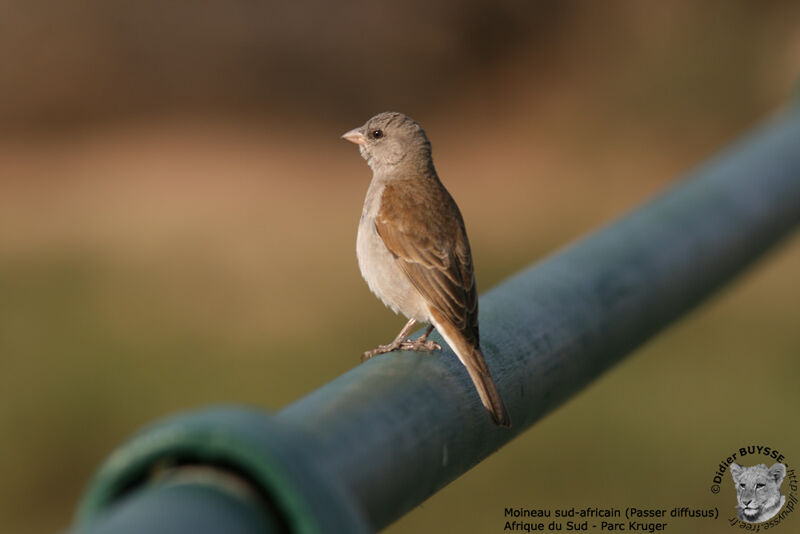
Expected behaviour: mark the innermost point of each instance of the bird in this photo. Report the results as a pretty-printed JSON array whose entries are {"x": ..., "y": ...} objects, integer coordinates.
[{"x": 413, "y": 250}]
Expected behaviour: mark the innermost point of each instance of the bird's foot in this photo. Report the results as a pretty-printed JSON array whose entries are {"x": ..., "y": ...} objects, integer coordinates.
[
  {"x": 417, "y": 345},
  {"x": 380, "y": 349},
  {"x": 408, "y": 344}
]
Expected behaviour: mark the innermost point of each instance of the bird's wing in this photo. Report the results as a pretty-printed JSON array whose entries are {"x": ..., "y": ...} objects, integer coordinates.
[{"x": 425, "y": 233}]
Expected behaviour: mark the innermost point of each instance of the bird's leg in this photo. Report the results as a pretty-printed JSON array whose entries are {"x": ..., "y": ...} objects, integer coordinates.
[
  {"x": 421, "y": 343},
  {"x": 394, "y": 345}
]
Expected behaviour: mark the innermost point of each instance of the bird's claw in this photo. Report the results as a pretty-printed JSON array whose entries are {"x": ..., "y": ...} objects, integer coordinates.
[
  {"x": 417, "y": 345},
  {"x": 409, "y": 344},
  {"x": 380, "y": 349}
]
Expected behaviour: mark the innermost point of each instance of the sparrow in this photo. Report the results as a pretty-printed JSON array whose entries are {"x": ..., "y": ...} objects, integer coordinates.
[{"x": 413, "y": 250}]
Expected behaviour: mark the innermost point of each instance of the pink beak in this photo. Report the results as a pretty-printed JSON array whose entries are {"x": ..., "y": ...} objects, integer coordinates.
[{"x": 355, "y": 136}]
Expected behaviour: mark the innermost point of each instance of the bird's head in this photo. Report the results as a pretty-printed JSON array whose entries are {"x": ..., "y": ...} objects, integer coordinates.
[{"x": 391, "y": 139}]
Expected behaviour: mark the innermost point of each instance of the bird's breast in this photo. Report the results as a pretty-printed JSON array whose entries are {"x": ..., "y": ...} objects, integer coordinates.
[{"x": 380, "y": 269}]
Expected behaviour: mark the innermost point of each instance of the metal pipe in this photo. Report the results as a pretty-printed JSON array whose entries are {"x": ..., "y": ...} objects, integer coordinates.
[
  {"x": 187, "y": 506},
  {"x": 391, "y": 432}
]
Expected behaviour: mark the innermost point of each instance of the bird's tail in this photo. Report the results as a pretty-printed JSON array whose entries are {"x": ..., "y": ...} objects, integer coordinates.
[
  {"x": 472, "y": 358},
  {"x": 487, "y": 391}
]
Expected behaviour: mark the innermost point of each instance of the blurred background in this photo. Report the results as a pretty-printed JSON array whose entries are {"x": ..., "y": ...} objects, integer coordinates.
[{"x": 178, "y": 220}]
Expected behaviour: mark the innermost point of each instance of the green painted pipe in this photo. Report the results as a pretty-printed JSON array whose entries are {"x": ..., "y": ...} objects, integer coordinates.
[
  {"x": 186, "y": 507},
  {"x": 256, "y": 459},
  {"x": 364, "y": 449}
]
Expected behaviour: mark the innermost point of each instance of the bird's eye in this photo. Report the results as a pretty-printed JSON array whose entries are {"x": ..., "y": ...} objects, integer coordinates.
[{"x": 377, "y": 134}]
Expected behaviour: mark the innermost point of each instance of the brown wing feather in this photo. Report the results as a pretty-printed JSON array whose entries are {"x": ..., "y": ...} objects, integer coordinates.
[{"x": 432, "y": 250}]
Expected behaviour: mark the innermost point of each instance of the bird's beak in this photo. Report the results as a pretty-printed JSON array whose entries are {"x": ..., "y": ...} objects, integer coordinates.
[{"x": 355, "y": 136}]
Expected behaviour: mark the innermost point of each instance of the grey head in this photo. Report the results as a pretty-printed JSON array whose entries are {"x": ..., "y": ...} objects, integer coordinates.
[{"x": 390, "y": 140}]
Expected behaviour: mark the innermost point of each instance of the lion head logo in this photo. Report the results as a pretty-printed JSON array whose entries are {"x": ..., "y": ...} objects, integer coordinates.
[{"x": 758, "y": 491}]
